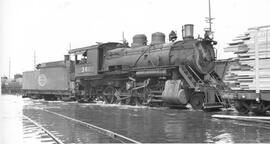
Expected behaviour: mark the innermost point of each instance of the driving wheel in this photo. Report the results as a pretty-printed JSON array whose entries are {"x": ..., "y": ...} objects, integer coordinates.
[{"x": 108, "y": 95}]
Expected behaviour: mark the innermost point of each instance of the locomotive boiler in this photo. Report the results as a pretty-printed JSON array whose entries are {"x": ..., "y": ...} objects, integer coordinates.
[
  {"x": 159, "y": 73},
  {"x": 199, "y": 54}
]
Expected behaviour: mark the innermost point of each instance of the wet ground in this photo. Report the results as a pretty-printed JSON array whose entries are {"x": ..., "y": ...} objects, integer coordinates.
[{"x": 142, "y": 124}]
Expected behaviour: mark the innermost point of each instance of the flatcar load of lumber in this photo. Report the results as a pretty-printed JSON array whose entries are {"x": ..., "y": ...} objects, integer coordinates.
[{"x": 241, "y": 74}]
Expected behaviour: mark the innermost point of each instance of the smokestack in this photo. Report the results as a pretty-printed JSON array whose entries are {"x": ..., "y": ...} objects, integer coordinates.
[
  {"x": 35, "y": 60},
  {"x": 187, "y": 32},
  {"x": 9, "y": 67}
]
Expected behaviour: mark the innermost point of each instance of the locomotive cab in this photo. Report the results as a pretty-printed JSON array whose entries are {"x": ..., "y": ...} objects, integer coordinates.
[
  {"x": 89, "y": 60},
  {"x": 88, "y": 64}
]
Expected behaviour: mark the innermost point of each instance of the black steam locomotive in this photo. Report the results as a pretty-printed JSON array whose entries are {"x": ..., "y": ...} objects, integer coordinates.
[
  {"x": 174, "y": 74},
  {"x": 171, "y": 74}
]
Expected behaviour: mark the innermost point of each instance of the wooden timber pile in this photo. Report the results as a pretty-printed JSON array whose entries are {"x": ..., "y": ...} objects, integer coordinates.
[{"x": 241, "y": 74}]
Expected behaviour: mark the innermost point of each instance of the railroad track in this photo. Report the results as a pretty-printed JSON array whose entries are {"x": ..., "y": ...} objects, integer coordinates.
[
  {"x": 57, "y": 140},
  {"x": 258, "y": 121},
  {"x": 103, "y": 131},
  {"x": 120, "y": 138}
]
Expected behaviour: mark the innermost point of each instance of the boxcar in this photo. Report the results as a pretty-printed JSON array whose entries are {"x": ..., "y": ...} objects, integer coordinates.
[{"x": 11, "y": 86}]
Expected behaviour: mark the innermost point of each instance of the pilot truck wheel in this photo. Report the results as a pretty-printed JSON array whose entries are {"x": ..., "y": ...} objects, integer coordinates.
[{"x": 196, "y": 101}]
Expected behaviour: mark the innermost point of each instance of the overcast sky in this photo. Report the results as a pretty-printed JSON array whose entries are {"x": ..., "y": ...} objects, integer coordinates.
[{"x": 48, "y": 26}]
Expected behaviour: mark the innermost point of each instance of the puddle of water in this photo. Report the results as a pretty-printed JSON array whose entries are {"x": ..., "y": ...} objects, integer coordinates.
[{"x": 14, "y": 128}]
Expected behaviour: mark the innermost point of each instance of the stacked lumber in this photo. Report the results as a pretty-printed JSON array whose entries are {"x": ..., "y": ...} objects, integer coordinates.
[{"x": 241, "y": 73}]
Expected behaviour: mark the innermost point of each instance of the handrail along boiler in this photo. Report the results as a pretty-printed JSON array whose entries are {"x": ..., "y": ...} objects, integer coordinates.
[{"x": 159, "y": 73}]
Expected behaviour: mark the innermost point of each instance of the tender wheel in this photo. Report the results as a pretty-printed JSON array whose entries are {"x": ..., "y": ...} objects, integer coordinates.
[
  {"x": 50, "y": 97},
  {"x": 196, "y": 101},
  {"x": 240, "y": 107},
  {"x": 108, "y": 95}
]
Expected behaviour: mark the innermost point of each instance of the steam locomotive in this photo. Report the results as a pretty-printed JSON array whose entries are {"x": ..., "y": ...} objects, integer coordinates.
[{"x": 171, "y": 74}]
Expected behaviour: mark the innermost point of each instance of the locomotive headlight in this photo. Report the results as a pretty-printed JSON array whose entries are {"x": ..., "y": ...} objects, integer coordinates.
[{"x": 243, "y": 96}]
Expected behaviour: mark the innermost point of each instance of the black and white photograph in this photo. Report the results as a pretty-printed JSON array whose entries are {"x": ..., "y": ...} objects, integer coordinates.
[{"x": 134, "y": 71}]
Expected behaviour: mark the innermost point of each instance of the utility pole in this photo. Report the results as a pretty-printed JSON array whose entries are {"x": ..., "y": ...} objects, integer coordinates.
[
  {"x": 9, "y": 65},
  {"x": 209, "y": 18},
  {"x": 34, "y": 60},
  {"x": 124, "y": 40},
  {"x": 123, "y": 37}
]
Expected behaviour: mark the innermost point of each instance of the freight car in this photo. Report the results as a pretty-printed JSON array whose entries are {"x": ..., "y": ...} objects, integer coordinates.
[
  {"x": 11, "y": 86},
  {"x": 244, "y": 101},
  {"x": 51, "y": 81},
  {"x": 173, "y": 74}
]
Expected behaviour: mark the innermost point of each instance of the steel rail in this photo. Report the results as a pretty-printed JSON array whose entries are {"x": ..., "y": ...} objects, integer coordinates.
[
  {"x": 102, "y": 130},
  {"x": 45, "y": 130},
  {"x": 258, "y": 119}
]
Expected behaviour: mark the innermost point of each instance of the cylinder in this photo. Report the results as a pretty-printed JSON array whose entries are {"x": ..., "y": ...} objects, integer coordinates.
[
  {"x": 187, "y": 31},
  {"x": 173, "y": 94},
  {"x": 158, "y": 38},
  {"x": 139, "y": 40}
]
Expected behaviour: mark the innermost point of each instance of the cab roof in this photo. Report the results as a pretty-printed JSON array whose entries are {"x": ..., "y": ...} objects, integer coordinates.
[{"x": 81, "y": 50}]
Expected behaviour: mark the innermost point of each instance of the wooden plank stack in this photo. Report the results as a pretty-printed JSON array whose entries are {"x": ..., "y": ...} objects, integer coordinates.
[{"x": 241, "y": 73}]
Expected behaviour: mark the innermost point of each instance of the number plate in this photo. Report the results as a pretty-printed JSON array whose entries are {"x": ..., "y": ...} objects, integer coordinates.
[{"x": 87, "y": 69}]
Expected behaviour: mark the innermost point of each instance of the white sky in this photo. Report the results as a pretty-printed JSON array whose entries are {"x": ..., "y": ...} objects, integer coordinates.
[{"x": 48, "y": 26}]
